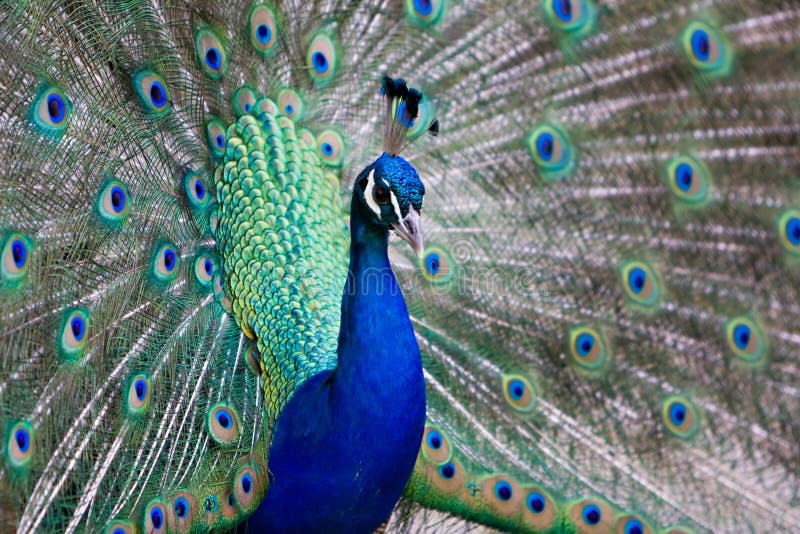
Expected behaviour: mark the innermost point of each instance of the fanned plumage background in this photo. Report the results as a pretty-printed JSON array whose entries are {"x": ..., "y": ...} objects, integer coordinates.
[{"x": 612, "y": 240}]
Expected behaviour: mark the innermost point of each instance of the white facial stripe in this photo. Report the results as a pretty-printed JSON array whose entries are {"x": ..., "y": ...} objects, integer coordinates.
[
  {"x": 396, "y": 206},
  {"x": 368, "y": 194}
]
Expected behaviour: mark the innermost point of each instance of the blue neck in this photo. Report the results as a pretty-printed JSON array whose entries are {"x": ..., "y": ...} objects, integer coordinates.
[{"x": 345, "y": 445}]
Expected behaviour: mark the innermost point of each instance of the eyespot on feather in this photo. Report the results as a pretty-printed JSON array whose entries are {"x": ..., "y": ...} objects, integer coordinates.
[
  {"x": 436, "y": 265},
  {"x": 680, "y": 417},
  {"x": 789, "y": 231},
  {"x": 552, "y": 152},
  {"x": 588, "y": 349},
  {"x": 263, "y": 29},
  {"x": 20, "y": 445},
  {"x": 16, "y": 250},
  {"x": 330, "y": 147},
  {"x": 205, "y": 266},
  {"x": 152, "y": 91},
  {"x": 249, "y": 485},
  {"x": 165, "y": 264},
  {"x": 182, "y": 512},
  {"x": 425, "y": 13},
  {"x": 575, "y": 17},
  {"x": 630, "y": 524},
  {"x": 322, "y": 58},
  {"x": 519, "y": 392},
  {"x": 211, "y": 55},
  {"x": 503, "y": 495},
  {"x": 640, "y": 283},
  {"x": 291, "y": 104},
  {"x": 138, "y": 395},
  {"x": 592, "y": 516},
  {"x": 216, "y": 138},
  {"x": 74, "y": 334},
  {"x": 688, "y": 180},
  {"x": 112, "y": 204},
  {"x": 154, "y": 519},
  {"x": 244, "y": 101},
  {"x": 222, "y": 423},
  {"x": 253, "y": 359},
  {"x": 435, "y": 445},
  {"x": 746, "y": 340},
  {"x": 50, "y": 111},
  {"x": 707, "y": 49},
  {"x": 448, "y": 478},
  {"x": 196, "y": 191},
  {"x": 120, "y": 527},
  {"x": 539, "y": 510}
]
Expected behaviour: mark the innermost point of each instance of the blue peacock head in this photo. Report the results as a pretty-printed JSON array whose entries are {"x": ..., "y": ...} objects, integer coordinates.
[{"x": 390, "y": 187}]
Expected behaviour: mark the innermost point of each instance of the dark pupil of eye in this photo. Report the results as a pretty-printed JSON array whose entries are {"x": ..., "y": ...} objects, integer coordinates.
[{"x": 381, "y": 195}]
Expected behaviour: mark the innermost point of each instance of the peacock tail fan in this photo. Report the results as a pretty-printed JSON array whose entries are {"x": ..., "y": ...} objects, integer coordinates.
[{"x": 607, "y": 305}]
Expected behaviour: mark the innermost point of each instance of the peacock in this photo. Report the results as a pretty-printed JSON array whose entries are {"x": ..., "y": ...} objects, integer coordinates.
[{"x": 420, "y": 266}]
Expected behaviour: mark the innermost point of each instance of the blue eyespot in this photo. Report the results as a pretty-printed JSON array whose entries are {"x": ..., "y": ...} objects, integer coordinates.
[
  {"x": 322, "y": 58},
  {"x": 199, "y": 189},
  {"x": 432, "y": 263},
  {"x": 156, "y": 518},
  {"x": 707, "y": 49},
  {"x": 289, "y": 109},
  {"x": 140, "y": 386},
  {"x": 291, "y": 103},
  {"x": 19, "y": 253},
  {"x": 518, "y": 393},
  {"x": 169, "y": 260},
  {"x": 789, "y": 231},
  {"x": 157, "y": 94},
  {"x": 584, "y": 344},
  {"x": 680, "y": 417},
  {"x": 208, "y": 267},
  {"x": 435, "y": 446},
  {"x": 152, "y": 91},
  {"x": 425, "y": 13},
  {"x": 423, "y": 7},
  {"x": 327, "y": 149},
  {"x": 50, "y": 112},
  {"x": 247, "y": 483},
  {"x": 22, "y": 439},
  {"x": 503, "y": 491},
  {"x": 74, "y": 338},
  {"x": 516, "y": 389},
  {"x": 634, "y": 526},
  {"x": 640, "y": 283},
  {"x": 118, "y": 531},
  {"x": 181, "y": 508},
  {"x": 210, "y": 54},
  {"x": 636, "y": 280},
  {"x": 213, "y": 58},
  {"x": 223, "y": 424},
  {"x": 19, "y": 445},
  {"x": 536, "y": 502},
  {"x": 434, "y": 440},
  {"x": 165, "y": 264},
  {"x": 552, "y": 152},
  {"x": 591, "y": 514},
  {"x": 224, "y": 420},
  {"x": 263, "y": 31},
  {"x": 576, "y": 17},
  {"x": 544, "y": 146},
  {"x": 319, "y": 61},
  {"x": 56, "y": 108},
  {"x": 447, "y": 471},
  {"x": 111, "y": 203},
  {"x": 683, "y": 177},
  {"x": 746, "y": 340},
  {"x": 78, "y": 328},
  {"x": 700, "y": 44}
]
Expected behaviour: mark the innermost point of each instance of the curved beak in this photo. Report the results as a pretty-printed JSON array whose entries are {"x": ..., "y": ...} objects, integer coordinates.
[{"x": 410, "y": 229}]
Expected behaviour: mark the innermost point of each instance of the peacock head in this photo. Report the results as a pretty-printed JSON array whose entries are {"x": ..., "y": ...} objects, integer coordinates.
[{"x": 391, "y": 190}]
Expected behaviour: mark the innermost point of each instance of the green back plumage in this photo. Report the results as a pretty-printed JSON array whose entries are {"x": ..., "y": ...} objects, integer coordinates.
[{"x": 607, "y": 306}]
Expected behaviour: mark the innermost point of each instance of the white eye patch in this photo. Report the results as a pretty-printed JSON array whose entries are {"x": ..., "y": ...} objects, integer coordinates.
[{"x": 371, "y": 201}]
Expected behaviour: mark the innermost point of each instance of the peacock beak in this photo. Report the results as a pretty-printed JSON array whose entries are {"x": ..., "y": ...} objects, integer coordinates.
[{"x": 410, "y": 230}]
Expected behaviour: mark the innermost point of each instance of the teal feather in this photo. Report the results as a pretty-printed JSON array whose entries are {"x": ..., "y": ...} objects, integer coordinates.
[{"x": 606, "y": 306}]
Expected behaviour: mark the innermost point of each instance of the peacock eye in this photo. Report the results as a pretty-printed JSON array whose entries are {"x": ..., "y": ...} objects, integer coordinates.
[{"x": 381, "y": 195}]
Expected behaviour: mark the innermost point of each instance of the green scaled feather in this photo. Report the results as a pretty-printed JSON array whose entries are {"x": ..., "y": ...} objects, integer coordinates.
[{"x": 608, "y": 316}]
